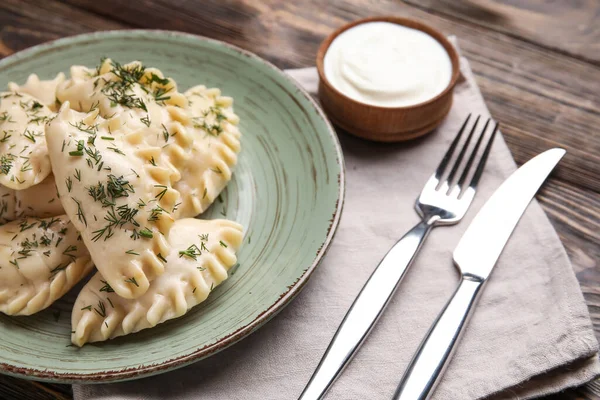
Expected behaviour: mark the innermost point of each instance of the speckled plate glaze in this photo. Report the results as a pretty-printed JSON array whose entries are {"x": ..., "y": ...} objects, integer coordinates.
[{"x": 287, "y": 191}]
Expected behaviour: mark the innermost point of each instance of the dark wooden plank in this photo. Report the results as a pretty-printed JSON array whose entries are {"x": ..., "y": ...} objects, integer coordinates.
[
  {"x": 575, "y": 214},
  {"x": 19, "y": 389},
  {"x": 25, "y": 23},
  {"x": 572, "y": 27}
]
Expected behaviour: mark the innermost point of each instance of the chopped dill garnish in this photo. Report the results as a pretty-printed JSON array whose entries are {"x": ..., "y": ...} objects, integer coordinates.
[
  {"x": 24, "y": 226},
  {"x": 192, "y": 252},
  {"x": 80, "y": 214},
  {"x": 165, "y": 133},
  {"x": 6, "y": 117},
  {"x": 85, "y": 128},
  {"x": 160, "y": 195},
  {"x": 26, "y": 165},
  {"x": 68, "y": 250},
  {"x": 155, "y": 213},
  {"x": 116, "y": 150},
  {"x": 132, "y": 280},
  {"x": 6, "y": 164},
  {"x": 145, "y": 120},
  {"x": 45, "y": 240},
  {"x": 5, "y": 137},
  {"x": 101, "y": 310},
  {"x": 159, "y": 94},
  {"x": 147, "y": 233},
  {"x": 157, "y": 79},
  {"x": 106, "y": 288},
  {"x": 118, "y": 187},
  {"x": 29, "y": 135}
]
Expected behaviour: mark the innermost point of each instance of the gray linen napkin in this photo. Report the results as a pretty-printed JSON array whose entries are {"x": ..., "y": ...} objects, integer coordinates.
[{"x": 530, "y": 334}]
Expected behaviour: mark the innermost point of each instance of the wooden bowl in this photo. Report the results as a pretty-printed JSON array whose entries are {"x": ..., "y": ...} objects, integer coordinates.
[{"x": 386, "y": 124}]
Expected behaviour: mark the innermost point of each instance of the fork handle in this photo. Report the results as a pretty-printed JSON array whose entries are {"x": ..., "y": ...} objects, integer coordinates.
[
  {"x": 430, "y": 361},
  {"x": 366, "y": 310}
]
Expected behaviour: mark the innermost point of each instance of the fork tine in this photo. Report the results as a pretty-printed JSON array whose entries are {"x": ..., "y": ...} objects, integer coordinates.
[
  {"x": 481, "y": 166},
  {"x": 465, "y": 173},
  {"x": 462, "y": 153},
  {"x": 441, "y": 168}
]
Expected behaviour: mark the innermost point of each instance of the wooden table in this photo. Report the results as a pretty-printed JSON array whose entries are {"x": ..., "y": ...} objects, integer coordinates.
[{"x": 537, "y": 63}]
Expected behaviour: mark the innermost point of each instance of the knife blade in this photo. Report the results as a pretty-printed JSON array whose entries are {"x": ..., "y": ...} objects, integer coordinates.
[
  {"x": 481, "y": 244},
  {"x": 475, "y": 256}
]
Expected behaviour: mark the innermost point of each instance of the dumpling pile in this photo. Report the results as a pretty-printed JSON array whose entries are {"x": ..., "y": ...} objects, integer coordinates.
[{"x": 108, "y": 169}]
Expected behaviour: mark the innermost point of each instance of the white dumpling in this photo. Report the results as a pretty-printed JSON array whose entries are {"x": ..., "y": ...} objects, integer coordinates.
[
  {"x": 115, "y": 195},
  {"x": 136, "y": 99},
  {"x": 214, "y": 153},
  {"x": 140, "y": 96},
  {"x": 202, "y": 253},
  {"x": 38, "y": 201},
  {"x": 42, "y": 90},
  {"x": 8, "y": 203},
  {"x": 24, "y": 158},
  {"x": 40, "y": 260},
  {"x": 114, "y": 88}
]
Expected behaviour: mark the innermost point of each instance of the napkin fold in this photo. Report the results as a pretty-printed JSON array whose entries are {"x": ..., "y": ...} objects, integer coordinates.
[{"x": 530, "y": 334}]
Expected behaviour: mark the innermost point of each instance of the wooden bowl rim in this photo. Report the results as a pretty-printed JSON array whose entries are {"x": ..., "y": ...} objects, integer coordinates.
[{"x": 409, "y": 23}]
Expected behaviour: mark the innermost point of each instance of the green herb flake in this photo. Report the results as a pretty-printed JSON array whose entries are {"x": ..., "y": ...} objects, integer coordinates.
[
  {"x": 132, "y": 280},
  {"x": 147, "y": 233},
  {"x": 106, "y": 288}
]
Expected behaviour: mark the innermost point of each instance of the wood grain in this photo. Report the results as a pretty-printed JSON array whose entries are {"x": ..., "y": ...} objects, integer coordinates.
[
  {"x": 25, "y": 23},
  {"x": 538, "y": 67},
  {"x": 565, "y": 26},
  {"x": 19, "y": 389}
]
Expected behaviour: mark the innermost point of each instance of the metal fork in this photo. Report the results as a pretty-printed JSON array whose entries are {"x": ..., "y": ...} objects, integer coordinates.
[{"x": 441, "y": 202}]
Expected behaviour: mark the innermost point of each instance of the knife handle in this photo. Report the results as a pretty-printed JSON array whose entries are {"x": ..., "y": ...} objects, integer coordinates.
[
  {"x": 366, "y": 310},
  {"x": 431, "y": 359}
]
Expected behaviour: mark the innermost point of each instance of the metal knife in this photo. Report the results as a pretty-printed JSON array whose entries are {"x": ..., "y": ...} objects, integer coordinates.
[{"x": 475, "y": 257}]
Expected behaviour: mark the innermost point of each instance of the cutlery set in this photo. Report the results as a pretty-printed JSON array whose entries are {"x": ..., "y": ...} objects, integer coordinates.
[{"x": 444, "y": 200}]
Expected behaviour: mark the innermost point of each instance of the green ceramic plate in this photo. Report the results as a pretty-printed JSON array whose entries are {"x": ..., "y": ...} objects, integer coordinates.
[{"x": 287, "y": 191}]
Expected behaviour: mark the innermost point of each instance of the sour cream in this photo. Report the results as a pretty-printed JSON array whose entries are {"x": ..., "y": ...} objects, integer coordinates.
[{"x": 387, "y": 65}]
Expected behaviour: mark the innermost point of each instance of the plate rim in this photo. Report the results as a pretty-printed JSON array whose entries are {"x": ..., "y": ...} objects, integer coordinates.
[{"x": 139, "y": 371}]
